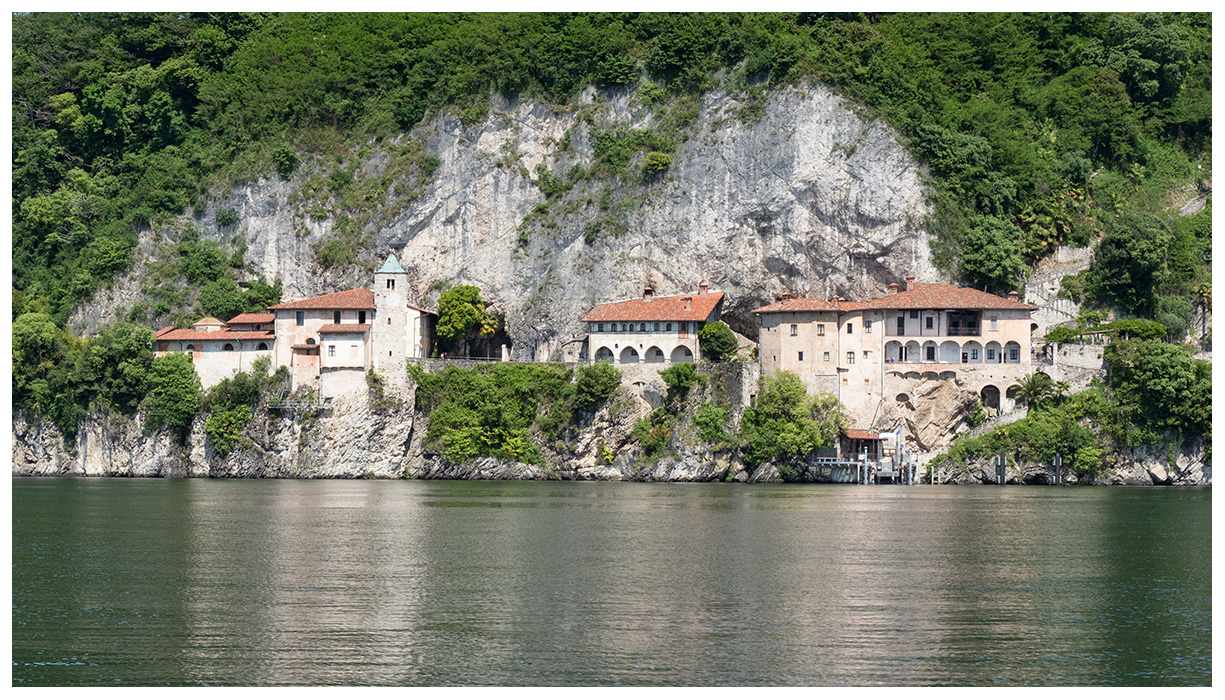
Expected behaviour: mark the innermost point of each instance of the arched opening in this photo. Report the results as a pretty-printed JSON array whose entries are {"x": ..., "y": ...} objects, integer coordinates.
[
  {"x": 990, "y": 396},
  {"x": 972, "y": 352},
  {"x": 262, "y": 346},
  {"x": 929, "y": 351},
  {"x": 994, "y": 352},
  {"x": 604, "y": 355},
  {"x": 310, "y": 341},
  {"x": 191, "y": 347},
  {"x": 894, "y": 351},
  {"x": 950, "y": 351},
  {"x": 228, "y": 347},
  {"x": 629, "y": 356},
  {"x": 1033, "y": 328},
  {"x": 642, "y": 327},
  {"x": 654, "y": 354},
  {"x": 682, "y": 353},
  {"x": 912, "y": 352},
  {"x": 1010, "y": 397},
  {"x": 668, "y": 327},
  {"x": 1012, "y": 352}
]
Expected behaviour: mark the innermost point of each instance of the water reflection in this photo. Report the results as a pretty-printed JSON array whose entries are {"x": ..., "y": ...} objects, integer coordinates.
[{"x": 468, "y": 583}]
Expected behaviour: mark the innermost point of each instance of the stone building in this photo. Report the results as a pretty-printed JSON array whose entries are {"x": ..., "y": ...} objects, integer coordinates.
[
  {"x": 328, "y": 342},
  {"x": 653, "y": 332},
  {"x": 874, "y": 351}
]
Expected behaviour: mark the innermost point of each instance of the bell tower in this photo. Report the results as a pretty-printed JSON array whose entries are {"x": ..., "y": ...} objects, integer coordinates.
[{"x": 390, "y": 335}]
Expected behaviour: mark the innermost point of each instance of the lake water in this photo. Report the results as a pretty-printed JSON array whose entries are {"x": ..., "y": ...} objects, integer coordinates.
[{"x": 147, "y": 581}]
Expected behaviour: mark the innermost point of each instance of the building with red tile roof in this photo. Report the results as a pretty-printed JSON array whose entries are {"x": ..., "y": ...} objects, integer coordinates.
[
  {"x": 869, "y": 352},
  {"x": 651, "y": 331}
]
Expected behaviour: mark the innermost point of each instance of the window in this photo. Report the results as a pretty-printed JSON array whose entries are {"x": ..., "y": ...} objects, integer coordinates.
[
  {"x": 300, "y": 317},
  {"x": 310, "y": 341},
  {"x": 865, "y": 354},
  {"x": 656, "y": 327},
  {"x": 795, "y": 329},
  {"x": 331, "y": 351},
  {"x": 850, "y": 327},
  {"x": 262, "y": 346},
  {"x": 599, "y": 327},
  {"x": 228, "y": 347},
  {"x": 668, "y": 327},
  {"x": 990, "y": 353},
  {"x": 994, "y": 319},
  {"x": 642, "y": 327},
  {"x": 336, "y": 317},
  {"x": 361, "y": 316},
  {"x": 391, "y": 284},
  {"x": 850, "y": 357},
  {"x": 801, "y": 356},
  {"x": 931, "y": 353},
  {"x": 191, "y": 347},
  {"x": 901, "y": 325},
  {"x": 928, "y": 323},
  {"x": 659, "y": 353},
  {"x": 844, "y": 381},
  {"x": 914, "y": 314},
  {"x": 867, "y": 326},
  {"x": 826, "y": 358},
  {"x": 973, "y": 354},
  {"x": 865, "y": 383},
  {"x": 1014, "y": 355},
  {"x": 820, "y": 329}
]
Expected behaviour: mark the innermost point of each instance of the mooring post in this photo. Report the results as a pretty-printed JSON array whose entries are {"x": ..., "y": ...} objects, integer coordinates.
[
  {"x": 1001, "y": 465},
  {"x": 1058, "y": 469}
]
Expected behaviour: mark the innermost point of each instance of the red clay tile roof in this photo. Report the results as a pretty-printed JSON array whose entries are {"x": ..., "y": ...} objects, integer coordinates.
[
  {"x": 252, "y": 318},
  {"x": 189, "y": 334},
  {"x": 944, "y": 296},
  {"x": 797, "y": 305},
  {"x": 658, "y": 309},
  {"x": 344, "y": 328},
  {"x": 424, "y": 311},
  {"x": 923, "y": 296},
  {"x": 348, "y": 299},
  {"x": 858, "y": 434},
  {"x": 162, "y": 330}
]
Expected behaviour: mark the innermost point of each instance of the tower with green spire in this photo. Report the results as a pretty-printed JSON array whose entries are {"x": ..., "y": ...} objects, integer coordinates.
[{"x": 391, "y": 333}]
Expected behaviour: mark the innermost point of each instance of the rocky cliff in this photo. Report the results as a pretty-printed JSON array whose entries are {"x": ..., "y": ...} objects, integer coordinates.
[{"x": 808, "y": 198}]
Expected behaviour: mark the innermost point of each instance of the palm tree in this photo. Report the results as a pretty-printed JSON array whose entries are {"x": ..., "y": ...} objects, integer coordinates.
[
  {"x": 1034, "y": 388},
  {"x": 1203, "y": 297}
]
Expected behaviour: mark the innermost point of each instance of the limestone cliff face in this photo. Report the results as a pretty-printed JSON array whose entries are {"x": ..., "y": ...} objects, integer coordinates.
[{"x": 811, "y": 199}]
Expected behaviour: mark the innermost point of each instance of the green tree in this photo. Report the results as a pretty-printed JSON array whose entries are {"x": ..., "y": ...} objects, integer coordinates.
[
  {"x": 222, "y": 299},
  {"x": 1128, "y": 264},
  {"x": 991, "y": 254},
  {"x": 1160, "y": 387},
  {"x": 114, "y": 367},
  {"x": 1035, "y": 388},
  {"x": 461, "y": 315},
  {"x": 717, "y": 341},
  {"x": 174, "y": 396},
  {"x": 787, "y": 423}
]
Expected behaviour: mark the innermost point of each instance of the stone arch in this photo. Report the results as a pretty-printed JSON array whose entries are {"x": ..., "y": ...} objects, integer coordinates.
[
  {"x": 933, "y": 376},
  {"x": 642, "y": 328},
  {"x": 894, "y": 351},
  {"x": 190, "y": 347},
  {"x": 972, "y": 352},
  {"x": 629, "y": 356},
  {"x": 948, "y": 375},
  {"x": 930, "y": 350},
  {"x": 912, "y": 375},
  {"x": 912, "y": 352},
  {"x": 604, "y": 355},
  {"x": 1010, "y": 398},
  {"x": 262, "y": 346},
  {"x": 654, "y": 354},
  {"x": 228, "y": 347},
  {"x": 990, "y": 396},
  {"x": 310, "y": 341},
  {"x": 950, "y": 351},
  {"x": 995, "y": 353},
  {"x": 682, "y": 353},
  {"x": 1012, "y": 349}
]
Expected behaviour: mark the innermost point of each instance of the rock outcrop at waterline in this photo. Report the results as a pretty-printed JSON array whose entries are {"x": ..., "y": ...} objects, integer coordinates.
[{"x": 810, "y": 198}]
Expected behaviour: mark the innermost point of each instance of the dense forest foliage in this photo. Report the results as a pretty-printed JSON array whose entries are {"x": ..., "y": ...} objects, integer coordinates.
[{"x": 1037, "y": 130}]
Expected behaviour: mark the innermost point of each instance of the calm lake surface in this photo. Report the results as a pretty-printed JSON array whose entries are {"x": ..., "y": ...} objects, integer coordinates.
[{"x": 149, "y": 581}]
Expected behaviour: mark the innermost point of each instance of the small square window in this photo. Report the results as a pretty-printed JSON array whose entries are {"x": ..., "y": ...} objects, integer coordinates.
[
  {"x": 990, "y": 354},
  {"x": 850, "y": 328},
  {"x": 973, "y": 354},
  {"x": 844, "y": 381},
  {"x": 867, "y": 326},
  {"x": 865, "y": 382},
  {"x": 928, "y": 322},
  {"x": 914, "y": 314},
  {"x": 795, "y": 329},
  {"x": 820, "y": 329},
  {"x": 994, "y": 321},
  {"x": 331, "y": 351},
  {"x": 336, "y": 317},
  {"x": 299, "y": 318},
  {"x": 801, "y": 356},
  {"x": 826, "y": 358},
  {"x": 850, "y": 357},
  {"x": 865, "y": 354},
  {"x": 599, "y": 327}
]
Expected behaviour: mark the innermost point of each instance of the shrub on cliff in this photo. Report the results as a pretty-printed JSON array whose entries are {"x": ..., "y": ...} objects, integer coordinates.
[
  {"x": 596, "y": 384},
  {"x": 461, "y": 314},
  {"x": 680, "y": 379}
]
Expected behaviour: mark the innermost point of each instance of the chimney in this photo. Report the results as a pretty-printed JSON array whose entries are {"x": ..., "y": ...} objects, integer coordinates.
[
  {"x": 909, "y": 283},
  {"x": 703, "y": 290},
  {"x": 1012, "y": 296},
  {"x": 647, "y": 292},
  {"x": 893, "y": 287},
  {"x": 689, "y": 303},
  {"x": 785, "y": 296}
]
